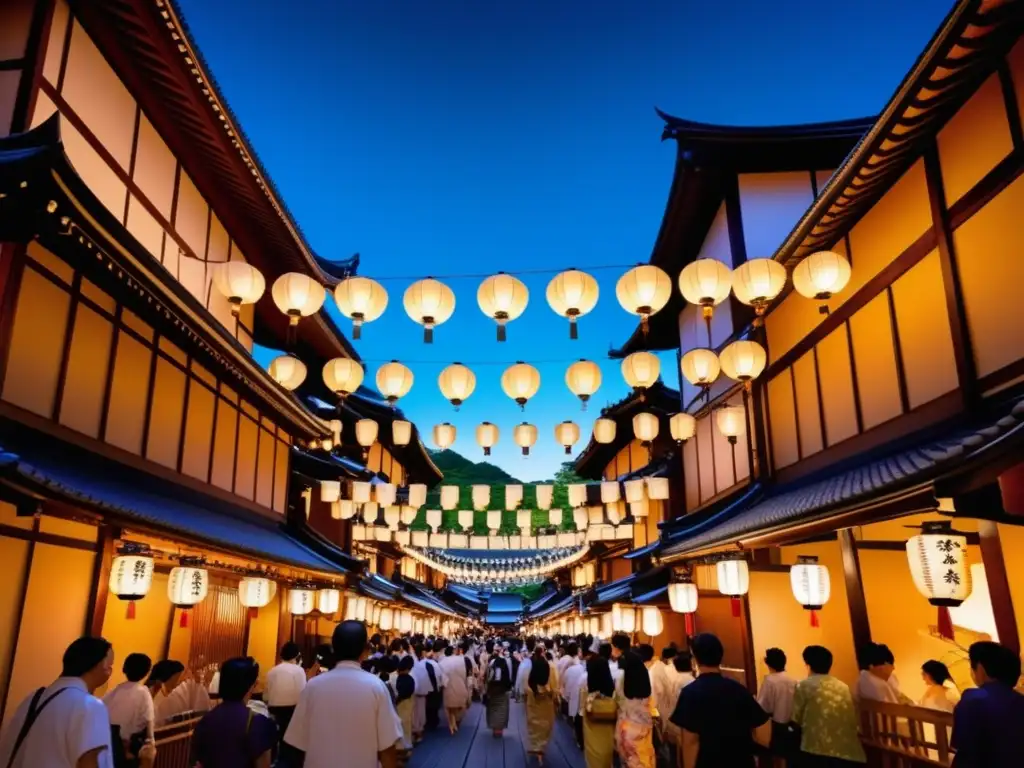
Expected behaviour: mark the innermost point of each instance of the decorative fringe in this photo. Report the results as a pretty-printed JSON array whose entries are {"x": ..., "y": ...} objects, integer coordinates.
[
  {"x": 130, "y": 613},
  {"x": 814, "y": 619},
  {"x": 254, "y": 612},
  {"x": 688, "y": 618},
  {"x": 945, "y": 623},
  {"x": 183, "y": 622},
  {"x": 736, "y": 607}
]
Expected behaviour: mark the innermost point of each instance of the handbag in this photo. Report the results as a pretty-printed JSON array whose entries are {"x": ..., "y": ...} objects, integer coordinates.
[{"x": 602, "y": 710}]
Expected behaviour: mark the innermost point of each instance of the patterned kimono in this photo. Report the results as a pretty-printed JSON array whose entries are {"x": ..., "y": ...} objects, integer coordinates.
[
  {"x": 634, "y": 728},
  {"x": 540, "y": 717}
]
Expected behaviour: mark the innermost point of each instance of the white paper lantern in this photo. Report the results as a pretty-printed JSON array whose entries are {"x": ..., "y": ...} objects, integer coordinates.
[
  {"x": 579, "y": 517},
  {"x": 371, "y": 510},
  {"x": 651, "y": 621},
  {"x": 434, "y": 519},
  {"x": 645, "y": 427},
  {"x": 385, "y": 494},
  {"x": 494, "y": 519},
  {"x": 634, "y": 490},
  {"x": 444, "y": 435},
  {"x": 567, "y": 434},
  {"x": 297, "y": 295},
  {"x": 131, "y": 577},
  {"x": 288, "y": 371},
  {"x": 641, "y": 370},
  {"x": 429, "y": 302},
  {"x": 811, "y": 585},
  {"x": 609, "y": 491},
  {"x": 657, "y": 488},
  {"x": 343, "y": 376},
  {"x": 408, "y": 515},
  {"x": 520, "y": 382},
  {"x": 366, "y": 432},
  {"x": 683, "y": 597},
  {"x": 404, "y": 538},
  {"x": 406, "y": 622},
  {"x": 330, "y": 490},
  {"x": 362, "y": 608},
  {"x": 733, "y": 581},
  {"x": 394, "y": 381},
  {"x": 417, "y": 495},
  {"x": 513, "y": 496},
  {"x": 328, "y": 601},
  {"x": 465, "y": 519},
  {"x": 623, "y": 618},
  {"x": 487, "y": 436},
  {"x": 401, "y": 432},
  {"x": 386, "y": 620},
  {"x": 938, "y": 565},
  {"x": 756, "y": 282},
  {"x": 524, "y": 519},
  {"x": 361, "y": 300},
  {"x": 544, "y": 495},
  {"x": 572, "y": 294},
  {"x": 392, "y": 516},
  {"x": 643, "y": 291},
  {"x": 555, "y": 517},
  {"x": 239, "y": 282},
  {"x": 683, "y": 426},
  {"x": 577, "y": 494},
  {"x": 301, "y": 601},
  {"x": 706, "y": 283},
  {"x": 449, "y": 496},
  {"x": 525, "y": 435},
  {"x": 503, "y": 298},
  {"x": 731, "y": 421},
  {"x": 640, "y": 508},
  {"x": 360, "y": 491},
  {"x": 820, "y": 276},
  {"x": 186, "y": 587},
  {"x": 255, "y": 592},
  {"x": 382, "y": 534},
  {"x": 456, "y": 383},
  {"x": 700, "y": 367},
  {"x": 481, "y": 495},
  {"x": 583, "y": 378},
  {"x": 604, "y": 431},
  {"x": 743, "y": 360}
]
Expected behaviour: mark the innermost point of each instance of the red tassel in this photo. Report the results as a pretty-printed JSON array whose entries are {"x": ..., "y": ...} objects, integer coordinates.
[
  {"x": 814, "y": 619},
  {"x": 184, "y": 619},
  {"x": 736, "y": 612},
  {"x": 130, "y": 613},
  {"x": 688, "y": 618},
  {"x": 254, "y": 612},
  {"x": 945, "y": 623}
]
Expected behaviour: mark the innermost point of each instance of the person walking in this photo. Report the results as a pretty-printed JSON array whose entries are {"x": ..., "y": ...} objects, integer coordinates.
[
  {"x": 634, "y": 726},
  {"x": 64, "y": 725},
  {"x": 404, "y": 689},
  {"x": 540, "y": 705},
  {"x": 600, "y": 712},
  {"x": 346, "y": 714},
  {"x": 231, "y": 735},
  {"x": 285, "y": 682},
  {"x": 572, "y": 684},
  {"x": 456, "y": 687},
  {"x": 823, "y": 708},
  {"x": 989, "y": 720},
  {"x": 130, "y": 708},
  {"x": 499, "y": 684},
  {"x": 776, "y": 698}
]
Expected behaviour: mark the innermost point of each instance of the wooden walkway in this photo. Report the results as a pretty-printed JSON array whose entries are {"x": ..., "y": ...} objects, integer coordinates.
[{"x": 474, "y": 745}]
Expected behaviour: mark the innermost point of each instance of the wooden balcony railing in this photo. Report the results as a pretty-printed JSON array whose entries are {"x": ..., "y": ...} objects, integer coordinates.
[
  {"x": 174, "y": 743},
  {"x": 901, "y": 736}
]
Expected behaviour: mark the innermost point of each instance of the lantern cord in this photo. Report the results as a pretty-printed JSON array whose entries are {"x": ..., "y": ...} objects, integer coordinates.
[
  {"x": 688, "y": 618},
  {"x": 945, "y": 623},
  {"x": 814, "y": 619},
  {"x": 736, "y": 607},
  {"x": 514, "y": 272}
]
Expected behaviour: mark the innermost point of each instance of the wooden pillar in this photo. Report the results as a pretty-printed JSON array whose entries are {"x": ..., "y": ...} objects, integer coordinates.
[
  {"x": 747, "y": 636},
  {"x": 998, "y": 584},
  {"x": 100, "y": 581},
  {"x": 26, "y": 28},
  {"x": 854, "y": 590}
]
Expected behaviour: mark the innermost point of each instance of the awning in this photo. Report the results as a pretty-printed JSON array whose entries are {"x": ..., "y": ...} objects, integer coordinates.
[
  {"x": 501, "y": 618},
  {"x": 505, "y": 602}
]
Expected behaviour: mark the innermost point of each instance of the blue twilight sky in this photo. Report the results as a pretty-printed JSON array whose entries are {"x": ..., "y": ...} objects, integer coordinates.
[{"x": 453, "y": 137}]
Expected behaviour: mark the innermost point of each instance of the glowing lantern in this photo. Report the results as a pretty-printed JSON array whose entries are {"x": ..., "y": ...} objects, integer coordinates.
[
  {"x": 682, "y": 596},
  {"x": 513, "y": 496},
  {"x": 700, "y": 367},
  {"x": 634, "y": 490},
  {"x": 811, "y": 586},
  {"x": 682, "y": 426},
  {"x": 651, "y": 621},
  {"x": 434, "y": 518},
  {"x": 641, "y": 370},
  {"x": 343, "y": 376},
  {"x": 386, "y": 621},
  {"x": 555, "y": 517},
  {"x": 328, "y": 601},
  {"x": 429, "y": 302},
  {"x": 520, "y": 382},
  {"x": 361, "y": 300},
  {"x": 657, "y": 488},
  {"x": 465, "y": 518},
  {"x": 731, "y": 421},
  {"x": 545, "y": 493},
  {"x": 503, "y": 298},
  {"x": 644, "y": 291},
  {"x": 444, "y": 435},
  {"x": 336, "y": 426},
  {"x": 493, "y": 518},
  {"x": 457, "y": 383},
  {"x": 405, "y": 622},
  {"x": 449, "y": 496},
  {"x": 131, "y": 577},
  {"x": 287, "y": 370},
  {"x": 743, "y": 360},
  {"x": 401, "y": 432},
  {"x": 938, "y": 566},
  {"x": 487, "y": 436},
  {"x": 623, "y": 618},
  {"x": 255, "y": 592},
  {"x": 366, "y": 432},
  {"x": 417, "y": 495},
  {"x": 525, "y": 435},
  {"x": 343, "y": 509},
  {"x": 572, "y": 294},
  {"x": 567, "y": 434},
  {"x": 481, "y": 496},
  {"x": 706, "y": 283},
  {"x": 330, "y": 491},
  {"x": 360, "y": 491},
  {"x": 604, "y": 431},
  {"x": 583, "y": 378},
  {"x": 757, "y": 282},
  {"x": 733, "y": 581},
  {"x": 645, "y": 427},
  {"x": 186, "y": 587},
  {"x": 239, "y": 282},
  {"x": 385, "y": 494},
  {"x": 394, "y": 381},
  {"x": 610, "y": 491},
  {"x": 371, "y": 510},
  {"x": 820, "y": 276},
  {"x": 297, "y": 295}
]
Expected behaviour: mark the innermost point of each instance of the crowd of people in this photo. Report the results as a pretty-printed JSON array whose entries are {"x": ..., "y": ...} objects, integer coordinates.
[{"x": 365, "y": 702}]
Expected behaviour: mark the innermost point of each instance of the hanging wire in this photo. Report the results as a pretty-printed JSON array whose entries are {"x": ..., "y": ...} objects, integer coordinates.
[
  {"x": 482, "y": 275},
  {"x": 556, "y": 361}
]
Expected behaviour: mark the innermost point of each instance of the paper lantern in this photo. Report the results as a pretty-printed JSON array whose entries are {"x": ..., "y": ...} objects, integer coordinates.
[
  {"x": 187, "y": 586},
  {"x": 360, "y": 491},
  {"x": 382, "y": 533},
  {"x": 361, "y": 300},
  {"x": 239, "y": 282},
  {"x": 731, "y": 421},
  {"x": 297, "y": 295},
  {"x": 545, "y": 493},
  {"x": 405, "y": 622},
  {"x": 706, "y": 283},
  {"x": 623, "y": 618},
  {"x": 683, "y": 598},
  {"x": 131, "y": 577},
  {"x": 640, "y": 508},
  {"x": 645, "y": 427},
  {"x": 644, "y": 290},
  {"x": 392, "y": 516},
  {"x": 449, "y": 496},
  {"x": 733, "y": 581},
  {"x": 524, "y": 518},
  {"x": 609, "y": 491},
  {"x": 288, "y": 371},
  {"x": 567, "y": 434},
  {"x": 336, "y": 426},
  {"x": 525, "y": 435},
  {"x": 429, "y": 302},
  {"x": 700, "y": 367},
  {"x": 633, "y": 490},
  {"x": 811, "y": 586},
  {"x": 577, "y": 494},
  {"x": 657, "y": 488},
  {"x": 572, "y": 294},
  {"x": 444, "y": 435},
  {"x": 394, "y": 381},
  {"x": 938, "y": 565},
  {"x": 513, "y": 496},
  {"x": 494, "y": 519},
  {"x": 401, "y": 432},
  {"x": 466, "y": 519},
  {"x": 604, "y": 431},
  {"x": 434, "y": 519},
  {"x": 386, "y": 621},
  {"x": 683, "y": 426},
  {"x": 385, "y": 494},
  {"x": 756, "y": 282},
  {"x": 641, "y": 370},
  {"x": 456, "y": 383},
  {"x": 366, "y": 432},
  {"x": 651, "y": 621},
  {"x": 481, "y": 495},
  {"x": 343, "y": 376},
  {"x": 607, "y": 625},
  {"x": 362, "y": 610},
  {"x": 555, "y": 517},
  {"x": 373, "y": 611},
  {"x": 820, "y": 276},
  {"x": 743, "y": 360},
  {"x": 346, "y": 509},
  {"x": 328, "y": 601},
  {"x": 330, "y": 491},
  {"x": 520, "y": 382},
  {"x": 371, "y": 511},
  {"x": 487, "y": 436},
  {"x": 583, "y": 378},
  {"x": 503, "y": 298}
]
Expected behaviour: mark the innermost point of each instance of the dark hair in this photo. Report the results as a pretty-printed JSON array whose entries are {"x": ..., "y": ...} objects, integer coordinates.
[
  {"x": 136, "y": 666},
  {"x": 237, "y": 677},
  {"x": 540, "y": 673},
  {"x": 998, "y": 661},
  {"x": 83, "y": 655},
  {"x": 669, "y": 652},
  {"x": 683, "y": 662},
  {"x": 396, "y": 645},
  {"x": 621, "y": 641},
  {"x": 290, "y": 651},
  {"x": 818, "y": 658},
  {"x": 776, "y": 659},
  {"x": 572, "y": 649},
  {"x": 599, "y": 676},
  {"x": 406, "y": 663},
  {"x": 645, "y": 651},
  {"x": 325, "y": 655},
  {"x": 448, "y": 650},
  {"x": 874, "y": 655},
  {"x": 164, "y": 670},
  {"x": 605, "y": 651},
  {"x": 375, "y": 640},
  {"x": 349, "y": 640},
  {"x": 707, "y": 649},
  {"x": 936, "y": 670},
  {"x": 636, "y": 680}
]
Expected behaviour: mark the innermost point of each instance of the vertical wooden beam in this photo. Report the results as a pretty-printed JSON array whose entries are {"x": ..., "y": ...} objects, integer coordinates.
[
  {"x": 854, "y": 590},
  {"x": 747, "y": 634},
  {"x": 100, "y": 581},
  {"x": 19, "y": 612},
  {"x": 998, "y": 584},
  {"x": 32, "y": 73}
]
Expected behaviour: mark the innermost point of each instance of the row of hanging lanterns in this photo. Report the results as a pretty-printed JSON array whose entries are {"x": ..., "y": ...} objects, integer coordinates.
[
  {"x": 387, "y": 618},
  {"x": 496, "y": 571}
]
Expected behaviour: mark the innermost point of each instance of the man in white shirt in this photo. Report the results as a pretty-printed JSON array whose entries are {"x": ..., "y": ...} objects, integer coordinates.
[
  {"x": 660, "y": 672},
  {"x": 283, "y": 686},
  {"x": 130, "y": 705},
  {"x": 345, "y": 716},
  {"x": 776, "y": 698},
  {"x": 877, "y": 680},
  {"x": 572, "y": 681},
  {"x": 525, "y": 665},
  {"x": 64, "y": 725}
]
